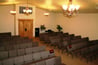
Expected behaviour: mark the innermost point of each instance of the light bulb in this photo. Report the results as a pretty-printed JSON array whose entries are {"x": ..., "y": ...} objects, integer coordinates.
[
  {"x": 77, "y": 7},
  {"x": 64, "y": 7}
]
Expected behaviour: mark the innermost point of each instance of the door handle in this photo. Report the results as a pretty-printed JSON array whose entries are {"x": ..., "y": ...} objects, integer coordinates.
[{"x": 25, "y": 29}]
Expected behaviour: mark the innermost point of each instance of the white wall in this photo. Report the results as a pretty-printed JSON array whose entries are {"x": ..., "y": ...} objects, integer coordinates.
[
  {"x": 6, "y": 19},
  {"x": 48, "y": 21},
  {"x": 83, "y": 24}
]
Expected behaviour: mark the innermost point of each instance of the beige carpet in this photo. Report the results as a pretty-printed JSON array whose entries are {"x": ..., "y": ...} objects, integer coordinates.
[{"x": 68, "y": 60}]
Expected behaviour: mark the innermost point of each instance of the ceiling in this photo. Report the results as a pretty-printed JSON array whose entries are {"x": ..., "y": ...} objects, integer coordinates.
[{"x": 86, "y": 6}]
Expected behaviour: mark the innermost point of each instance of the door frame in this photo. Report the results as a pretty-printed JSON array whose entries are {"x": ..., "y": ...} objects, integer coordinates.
[{"x": 25, "y": 20}]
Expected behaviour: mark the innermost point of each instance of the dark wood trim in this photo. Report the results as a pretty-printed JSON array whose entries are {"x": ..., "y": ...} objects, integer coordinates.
[{"x": 25, "y": 19}]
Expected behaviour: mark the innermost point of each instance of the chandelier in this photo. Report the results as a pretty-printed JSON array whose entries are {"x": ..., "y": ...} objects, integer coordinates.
[
  {"x": 27, "y": 10},
  {"x": 70, "y": 9}
]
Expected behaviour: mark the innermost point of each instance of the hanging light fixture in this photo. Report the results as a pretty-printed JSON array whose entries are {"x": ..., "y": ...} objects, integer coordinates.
[
  {"x": 70, "y": 9},
  {"x": 46, "y": 13},
  {"x": 13, "y": 12},
  {"x": 27, "y": 10}
]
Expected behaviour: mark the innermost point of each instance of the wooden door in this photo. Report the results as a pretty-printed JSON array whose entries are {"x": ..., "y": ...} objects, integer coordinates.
[
  {"x": 21, "y": 28},
  {"x": 26, "y": 27}
]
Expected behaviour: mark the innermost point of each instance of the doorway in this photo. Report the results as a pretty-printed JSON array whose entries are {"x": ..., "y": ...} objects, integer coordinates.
[{"x": 26, "y": 28}]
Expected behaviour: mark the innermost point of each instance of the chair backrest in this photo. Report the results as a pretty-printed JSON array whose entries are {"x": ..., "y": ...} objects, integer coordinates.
[
  {"x": 1, "y": 63},
  {"x": 41, "y": 63},
  {"x": 47, "y": 54},
  {"x": 58, "y": 60},
  {"x": 19, "y": 60},
  {"x": 33, "y": 64},
  {"x": 22, "y": 45},
  {"x": 38, "y": 49},
  {"x": 76, "y": 46},
  {"x": 79, "y": 40},
  {"x": 34, "y": 44},
  {"x": 29, "y": 50},
  {"x": 55, "y": 41},
  {"x": 2, "y": 48},
  {"x": 5, "y": 34},
  {"x": 93, "y": 48},
  {"x": 76, "y": 37},
  {"x": 3, "y": 54},
  {"x": 50, "y": 61},
  {"x": 84, "y": 50},
  {"x": 44, "y": 54},
  {"x": 16, "y": 46},
  {"x": 65, "y": 43},
  {"x": 9, "y": 61},
  {"x": 9, "y": 47},
  {"x": 36, "y": 56},
  {"x": 28, "y": 58},
  {"x": 41, "y": 48},
  {"x": 21, "y": 52},
  {"x": 13, "y": 53},
  {"x": 28, "y": 44}
]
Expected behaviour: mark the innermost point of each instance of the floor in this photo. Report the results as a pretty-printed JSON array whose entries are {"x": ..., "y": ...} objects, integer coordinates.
[{"x": 68, "y": 60}]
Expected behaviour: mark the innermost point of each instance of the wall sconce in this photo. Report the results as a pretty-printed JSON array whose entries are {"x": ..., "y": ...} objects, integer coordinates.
[
  {"x": 46, "y": 14},
  {"x": 13, "y": 12}
]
